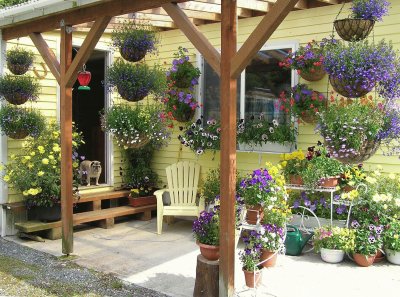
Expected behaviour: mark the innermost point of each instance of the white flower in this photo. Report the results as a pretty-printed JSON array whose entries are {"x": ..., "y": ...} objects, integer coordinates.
[{"x": 275, "y": 123}]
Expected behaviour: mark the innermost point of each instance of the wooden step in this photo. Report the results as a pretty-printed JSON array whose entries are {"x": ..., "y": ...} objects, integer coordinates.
[
  {"x": 103, "y": 196},
  {"x": 85, "y": 217}
]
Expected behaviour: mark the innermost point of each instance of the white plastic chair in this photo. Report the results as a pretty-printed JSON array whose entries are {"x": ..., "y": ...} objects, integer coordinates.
[{"x": 183, "y": 178}]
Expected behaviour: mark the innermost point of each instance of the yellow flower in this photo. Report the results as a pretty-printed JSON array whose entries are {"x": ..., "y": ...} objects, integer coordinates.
[
  {"x": 56, "y": 134},
  {"x": 51, "y": 157},
  {"x": 396, "y": 236},
  {"x": 41, "y": 149},
  {"x": 30, "y": 165},
  {"x": 40, "y": 173},
  {"x": 33, "y": 192},
  {"x": 6, "y": 178},
  {"x": 27, "y": 157},
  {"x": 25, "y": 193},
  {"x": 56, "y": 148},
  {"x": 74, "y": 143},
  {"x": 12, "y": 157},
  {"x": 284, "y": 163},
  {"x": 392, "y": 176},
  {"x": 45, "y": 161},
  {"x": 33, "y": 153}
]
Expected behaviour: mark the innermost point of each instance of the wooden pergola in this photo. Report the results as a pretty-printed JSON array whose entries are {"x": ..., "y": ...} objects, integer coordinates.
[{"x": 181, "y": 14}]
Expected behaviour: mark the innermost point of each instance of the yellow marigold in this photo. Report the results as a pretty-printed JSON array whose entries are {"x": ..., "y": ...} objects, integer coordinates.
[
  {"x": 51, "y": 157},
  {"x": 75, "y": 164},
  {"x": 30, "y": 165},
  {"x": 33, "y": 153},
  {"x": 25, "y": 193},
  {"x": 27, "y": 157},
  {"x": 33, "y": 192},
  {"x": 56, "y": 148},
  {"x": 74, "y": 143},
  {"x": 41, "y": 149},
  {"x": 40, "y": 173},
  {"x": 6, "y": 178},
  {"x": 45, "y": 161}
]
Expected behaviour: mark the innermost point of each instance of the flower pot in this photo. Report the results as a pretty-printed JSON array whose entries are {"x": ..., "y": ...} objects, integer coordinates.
[
  {"x": 393, "y": 256},
  {"x": 142, "y": 201},
  {"x": 132, "y": 96},
  {"x": 18, "y": 69},
  {"x": 269, "y": 257},
  {"x": 183, "y": 83},
  {"x": 379, "y": 256},
  {"x": 18, "y": 134},
  {"x": 254, "y": 214},
  {"x": 329, "y": 182},
  {"x": 210, "y": 252},
  {"x": 318, "y": 74},
  {"x": 183, "y": 117},
  {"x": 45, "y": 214},
  {"x": 351, "y": 89},
  {"x": 252, "y": 278},
  {"x": 364, "y": 260},
  {"x": 348, "y": 188},
  {"x": 131, "y": 54},
  {"x": 353, "y": 29},
  {"x": 296, "y": 180},
  {"x": 332, "y": 256},
  {"x": 17, "y": 99},
  {"x": 367, "y": 150}
]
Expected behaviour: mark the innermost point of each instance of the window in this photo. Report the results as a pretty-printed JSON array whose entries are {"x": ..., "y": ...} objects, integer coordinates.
[{"x": 259, "y": 87}]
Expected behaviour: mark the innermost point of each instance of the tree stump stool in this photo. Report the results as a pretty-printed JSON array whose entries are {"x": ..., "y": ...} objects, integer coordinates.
[{"x": 207, "y": 278}]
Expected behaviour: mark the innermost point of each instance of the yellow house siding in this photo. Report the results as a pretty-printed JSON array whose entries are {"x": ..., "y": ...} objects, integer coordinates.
[{"x": 300, "y": 26}]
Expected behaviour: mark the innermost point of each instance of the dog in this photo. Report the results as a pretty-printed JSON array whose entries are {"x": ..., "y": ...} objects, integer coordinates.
[{"x": 88, "y": 170}]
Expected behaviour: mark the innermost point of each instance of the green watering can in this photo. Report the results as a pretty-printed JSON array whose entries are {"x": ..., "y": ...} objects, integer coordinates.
[{"x": 295, "y": 242}]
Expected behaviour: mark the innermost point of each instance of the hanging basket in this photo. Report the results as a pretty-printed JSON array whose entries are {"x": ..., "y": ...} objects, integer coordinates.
[
  {"x": 353, "y": 29},
  {"x": 309, "y": 118},
  {"x": 367, "y": 150},
  {"x": 141, "y": 142},
  {"x": 132, "y": 96},
  {"x": 132, "y": 54},
  {"x": 18, "y": 134},
  {"x": 318, "y": 74},
  {"x": 16, "y": 98},
  {"x": 351, "y": 89},
  {"x": 183, "y": 117},
  {"x": 183, "y": 83},
  {"x": 18, "y": 69}
]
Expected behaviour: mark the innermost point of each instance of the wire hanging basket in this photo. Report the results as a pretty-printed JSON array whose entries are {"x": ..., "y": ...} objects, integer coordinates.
[
  {"x": 351, "y": 89},
  {"x": 367, "y": 150},
  {"x": 18, "y": 69},
  {"x": 353, "y": 29},
  {"x": 318, "y": 74},
  {"x": 18, "y": 134},
  {"x": 141, "y": 141}
]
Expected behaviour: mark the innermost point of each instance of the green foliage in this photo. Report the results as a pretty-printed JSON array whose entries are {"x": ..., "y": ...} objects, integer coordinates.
[
  {"x": 391, "y": 238},
  {"x": 293, "y": 164},
  {"x": 14, "y": 119},
  {"x": 334, "y": 238},
  {"x": 135, "y": 81},
  {"x": 182, "y": 72},
  {"x": 24, "y": 85},
  {"x": 368, "y": 240},
  {"x": 19, "y": 56},
  {"x": 206, "y": 228},
  {"x": 36, "y": 170},
  {"x": 7, "y": 3}
]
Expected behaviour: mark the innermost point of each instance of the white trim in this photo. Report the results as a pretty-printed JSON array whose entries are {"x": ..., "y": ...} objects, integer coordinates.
[
  {"x": 3, "y": 151},
  {"x": 108, "y": 137}
]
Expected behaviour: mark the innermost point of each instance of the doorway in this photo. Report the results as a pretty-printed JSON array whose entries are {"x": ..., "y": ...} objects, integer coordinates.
[{"x": 86, "y": 107}]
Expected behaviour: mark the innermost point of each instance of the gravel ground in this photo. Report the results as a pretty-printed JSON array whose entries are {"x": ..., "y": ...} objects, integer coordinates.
[{"x": 25, "y": 272}]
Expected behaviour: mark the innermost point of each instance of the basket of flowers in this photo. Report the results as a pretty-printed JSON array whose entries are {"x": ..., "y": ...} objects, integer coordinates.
[
  {"x": 18, "y": 89},
  {"x": 19, "y": 60},
  {"x": 182, "y": 73},
  {"x": 181, "y": 104}
]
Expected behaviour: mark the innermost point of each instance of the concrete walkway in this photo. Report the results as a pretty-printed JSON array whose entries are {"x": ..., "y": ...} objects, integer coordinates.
[{"x": 167, "y": 263}]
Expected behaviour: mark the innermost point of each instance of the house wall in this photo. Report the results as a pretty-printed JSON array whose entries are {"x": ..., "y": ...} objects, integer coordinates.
[{"x": 300, "y": 26}]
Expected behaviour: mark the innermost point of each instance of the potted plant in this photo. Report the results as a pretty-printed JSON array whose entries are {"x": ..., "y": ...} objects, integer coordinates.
[
  {"x": 366, "y": 244},
  {"x": 292, "y": 166},
  {"x": 18, "y": 123},
  {"x": 304, "y": 102},
  {"x": 352, "y": 130},
  {"x": 307, "y": 60},
  {"x": 18, "y": 89},
  {"x": 182, "y": 73},
  {"x": 134, "y": 40},
  {"x": 322, "y": 169},
  {"x": 181, "y": 104},
  {"x": 355, "y": 68},
  {"x": 139, "y": 177},
  {"x": 362, "y": 19},
  {"x": 271, "y": 240},
  {"x": 200, "y": 137},
  {"x": 391, "y": 242},
  {"x": 136, "y": 126},
  {"x": 250, "y": 258},
  {"x": 36, "y": 172},
  {"x": 206, "y": 232},
  {"x": 333, "y": 242},
  {"x": 135, "y": 81},
  {"x": 19, "y": 60},
  {"x": 352, "y": 177},
  {"x": 256, "y": 131}
]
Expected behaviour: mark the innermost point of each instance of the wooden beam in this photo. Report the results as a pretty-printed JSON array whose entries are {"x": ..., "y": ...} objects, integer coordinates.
[
  {"x": 194, "y": 35},
  {"x": 66, "y": 142},
  {"x": 209, "y": 16},
  {"x": 260, "y": 35},
  {"x": 47, "y": 54},
  {"x": 86, "y": 49},
  {"x": 79, "y": 15},
  {"x": 228, "y": 150}
]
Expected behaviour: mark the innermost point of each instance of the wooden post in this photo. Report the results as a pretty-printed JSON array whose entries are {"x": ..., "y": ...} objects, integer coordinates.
[
  {"x": 66, "y": 142},
  {"x": 228, "y": 150}
]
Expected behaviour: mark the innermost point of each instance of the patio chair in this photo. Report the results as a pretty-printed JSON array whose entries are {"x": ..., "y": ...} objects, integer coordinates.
[{"x": 183, "y": 178}]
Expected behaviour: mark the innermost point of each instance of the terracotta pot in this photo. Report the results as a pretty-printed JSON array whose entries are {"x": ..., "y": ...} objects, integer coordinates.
[
  {"x": 142, "y": 201},
  {"x": 318, "y": 74},
  {"x": 210, "y": 252},
  {"x": 252, "y": 278},
  {"x": 269, "y": 257},
  {"x": 379, "y": 256},
  {"x": 296, "y": 180},
  {"x": 330, "y": 182},
  {"x": 364, "y": 260},
  {"x": 353, "y": 29},
  {"x": 254, "y": 214},
  {"x": 348, "y": 188}
]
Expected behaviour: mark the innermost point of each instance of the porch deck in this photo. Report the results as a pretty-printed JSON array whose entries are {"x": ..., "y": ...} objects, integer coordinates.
[{"x": 167, "y": 263}]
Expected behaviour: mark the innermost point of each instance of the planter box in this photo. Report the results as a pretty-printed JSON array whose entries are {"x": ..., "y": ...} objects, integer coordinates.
[
  {"x": 142, "y": 201},
  {"x": 310, "y": 222},
  {"x": 267, "y": 148}
]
